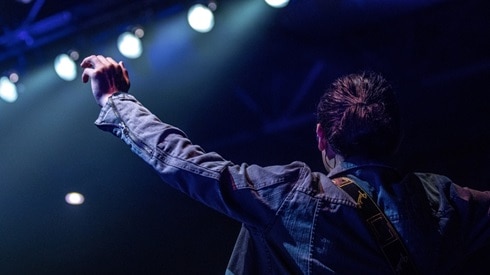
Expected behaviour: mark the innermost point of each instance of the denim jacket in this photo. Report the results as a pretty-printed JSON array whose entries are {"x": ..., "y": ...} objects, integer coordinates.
[{"x": 296, "y": 221}]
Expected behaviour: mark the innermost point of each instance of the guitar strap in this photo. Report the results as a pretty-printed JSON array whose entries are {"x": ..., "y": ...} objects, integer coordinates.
[{"x": 383, "y": 231}]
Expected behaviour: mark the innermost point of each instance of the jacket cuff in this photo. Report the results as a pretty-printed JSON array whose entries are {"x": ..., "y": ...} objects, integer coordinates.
[{"x": 108, "y": 118}]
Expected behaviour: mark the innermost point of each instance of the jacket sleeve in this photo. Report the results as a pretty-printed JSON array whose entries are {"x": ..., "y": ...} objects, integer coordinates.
[
  {"x": 475, "y": 208},
  {"x": 243, "y": 192},
  {"x": 460, "y": 209}
]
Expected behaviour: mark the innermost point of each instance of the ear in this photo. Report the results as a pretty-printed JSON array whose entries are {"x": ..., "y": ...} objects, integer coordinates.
[{"x": 322, "y": 141}]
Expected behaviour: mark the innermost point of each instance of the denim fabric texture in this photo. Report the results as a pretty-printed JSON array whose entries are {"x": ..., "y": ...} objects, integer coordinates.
[{"x": 296, "y": 221}]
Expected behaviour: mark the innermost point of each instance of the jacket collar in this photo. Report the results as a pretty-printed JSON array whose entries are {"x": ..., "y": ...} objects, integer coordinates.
[{"x": 353, "y": 163}]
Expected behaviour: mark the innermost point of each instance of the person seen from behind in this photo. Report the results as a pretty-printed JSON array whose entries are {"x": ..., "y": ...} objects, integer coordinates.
[{"x": 360, "y": 216}]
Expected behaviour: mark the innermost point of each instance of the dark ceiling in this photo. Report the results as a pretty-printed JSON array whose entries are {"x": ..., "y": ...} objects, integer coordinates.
[{"x": 247, "y": 90}]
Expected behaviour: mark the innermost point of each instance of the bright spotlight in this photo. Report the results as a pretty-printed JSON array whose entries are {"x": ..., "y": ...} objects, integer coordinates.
[
  {"x": 200, "y": 18},
  {"x": 65, "y": 67},
  {"x": 277, "y": 3},
  {"x": 74, "y": 198},
  {"x": 8, "y": 90},
  {"x": 129, "y": 45}
]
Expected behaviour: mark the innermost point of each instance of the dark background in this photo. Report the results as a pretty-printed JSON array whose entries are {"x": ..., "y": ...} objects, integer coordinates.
[{"x": 247, "y": 89}]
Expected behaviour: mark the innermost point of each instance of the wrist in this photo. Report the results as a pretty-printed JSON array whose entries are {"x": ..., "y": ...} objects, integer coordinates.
[{"x": 103, "y": 99}]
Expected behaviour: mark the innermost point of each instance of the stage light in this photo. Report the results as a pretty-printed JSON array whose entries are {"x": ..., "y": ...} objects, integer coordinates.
[
  {"x": 139, "y": 32},
  {"x": 277, "y": 3},
  {"x": 201, "y": 18},
  {"x": 74, "y": 55},
  {"x": 65, "y": 67},
  {"x": 129, "y": 43},
  {"x": 8, "y": 89},
  {"x": 14, "y": 77},
  {"x": 74, "y": 198}
]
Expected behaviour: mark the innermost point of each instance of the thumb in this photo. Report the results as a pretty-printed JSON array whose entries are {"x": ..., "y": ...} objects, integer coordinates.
[{"x": 85, "y": 76}]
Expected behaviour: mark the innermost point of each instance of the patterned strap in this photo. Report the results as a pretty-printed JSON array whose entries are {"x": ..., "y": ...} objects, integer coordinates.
[{"x": 383, "y": 231}]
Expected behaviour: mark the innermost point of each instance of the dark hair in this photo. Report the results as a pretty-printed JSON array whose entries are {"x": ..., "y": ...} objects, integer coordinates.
[{"x": 359, "y": 115}]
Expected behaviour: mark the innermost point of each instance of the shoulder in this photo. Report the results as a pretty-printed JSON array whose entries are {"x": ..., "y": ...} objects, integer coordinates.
[
  {"x": 256, "y": 177},
  {"x": 436, "y": 187},
  {"x": 296, "y": 176},
  {"x": 440, "y": 189}
]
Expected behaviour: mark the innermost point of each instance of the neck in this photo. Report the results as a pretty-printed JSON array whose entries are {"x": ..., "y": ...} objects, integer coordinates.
[{"x": 330, "y": 162}]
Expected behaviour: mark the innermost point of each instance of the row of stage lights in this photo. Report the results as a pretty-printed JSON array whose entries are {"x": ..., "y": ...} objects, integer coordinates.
[{"x": 199, "y": 17}]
